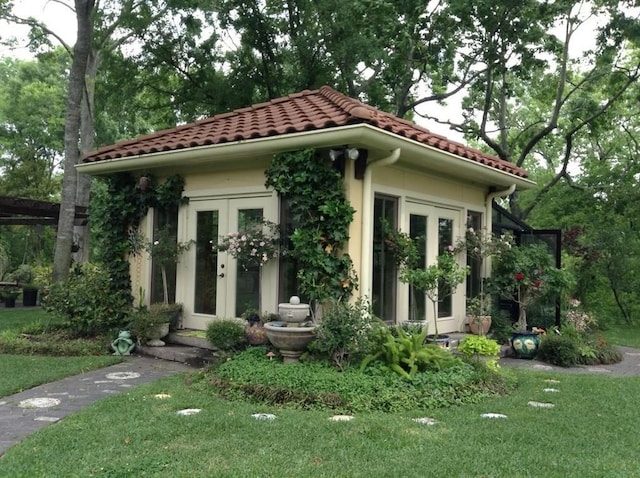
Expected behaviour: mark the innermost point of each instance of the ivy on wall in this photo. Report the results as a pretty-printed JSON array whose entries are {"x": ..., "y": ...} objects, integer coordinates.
[
  {"x": 314, "y": 191},
  {"x": 118, "y": 212}
]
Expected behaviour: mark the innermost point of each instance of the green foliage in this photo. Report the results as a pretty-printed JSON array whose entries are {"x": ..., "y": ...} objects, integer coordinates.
[
  {"x": 347, "y": 332},
  {"x": 527, "y": 274},
  {"x": 479, "y": 345},
  {"x": 407, "y": 355},
  {"x": 86, "y": 301},
  {"x": 226, "y": 334},
  {"x": 314, "y": 191},
  {"x": 562, "y": 350},
  {"x": 118, "y": 208},
  {"x": 144, "y": 322},
  {"x": 318, "y": 385}
]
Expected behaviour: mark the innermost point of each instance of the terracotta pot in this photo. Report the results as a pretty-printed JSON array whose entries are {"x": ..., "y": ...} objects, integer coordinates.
[{"x": 479, "y": 325}]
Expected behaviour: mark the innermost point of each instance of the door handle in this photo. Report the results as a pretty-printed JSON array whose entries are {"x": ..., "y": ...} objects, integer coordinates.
[{"x": 221, "y": 275}]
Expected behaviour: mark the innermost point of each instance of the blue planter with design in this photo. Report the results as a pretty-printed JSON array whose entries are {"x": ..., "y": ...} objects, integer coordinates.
[{"x": 525, "y": 344}]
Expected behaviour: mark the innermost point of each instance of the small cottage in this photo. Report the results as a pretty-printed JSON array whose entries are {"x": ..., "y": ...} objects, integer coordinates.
[{"x": 419, "y": 182}]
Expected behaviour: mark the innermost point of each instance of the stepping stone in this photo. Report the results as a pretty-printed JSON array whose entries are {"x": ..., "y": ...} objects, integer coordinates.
[
  {"x": 542, "y": 367},
  {"x": 47, "y": 419},
  {"x": 425, "y": 421},
  {"x": 341, "y": 418},
  {"x": 264, "y": 416},
  {"x": 122, "y": 375},
  {"x": 493, "y": 415},
  {"x": 100, "y": 382},
  {"x": 598, "y": 370},
  {"x": 550, "y": 380},
  {"x": 632, "y": 354},
  {"x": 188, "y": 412},
  {"x": 541, "y": 404},
  {"x": 161, "y": 396},
  {"x": 44, "y": 402},
  {"x": 550, "y": 390}
]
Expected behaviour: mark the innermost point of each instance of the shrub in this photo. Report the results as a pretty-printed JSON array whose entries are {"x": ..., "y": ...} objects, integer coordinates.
[
  {"x": 87, "y": 301},
  {"x": 561, "y": 350},
  {"x": 226, "y": 334},
  {"x": 347, "y": 332},
  {"x": 476, "y": 346},
  {"x": 605, "y": 353}
]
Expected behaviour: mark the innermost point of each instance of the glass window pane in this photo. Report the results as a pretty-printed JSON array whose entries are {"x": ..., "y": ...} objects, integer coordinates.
[
  {"x": 445, "y": 239},
  {"x": 206, "y": 262},
  {"x": 164, "y": 218},
  {"x": 418, "y": 232},
  {"x": 385, "y": 272},
  {"x": 248, "y": 278}
]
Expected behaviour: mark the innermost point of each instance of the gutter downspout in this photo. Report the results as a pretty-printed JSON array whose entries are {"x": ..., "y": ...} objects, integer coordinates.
[
  {"x": 488, "y": 216},
  {"x": 367, "y": 220}
]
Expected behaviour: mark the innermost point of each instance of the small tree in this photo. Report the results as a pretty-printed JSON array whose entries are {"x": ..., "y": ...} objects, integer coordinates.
[
  {"x": 437, "y": 281},
  {"x": 166, "y": 250}
]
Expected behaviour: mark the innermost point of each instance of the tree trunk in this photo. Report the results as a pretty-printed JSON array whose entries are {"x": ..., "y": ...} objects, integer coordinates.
[
  {"x": 81, "y": 51},
  {"x": 83, "y": 193}
]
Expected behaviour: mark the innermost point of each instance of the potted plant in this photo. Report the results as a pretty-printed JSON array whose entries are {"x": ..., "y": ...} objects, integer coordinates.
[
  {"x": 527, "y": 275},
  {"x": 481, "y": 349},
  {"x": 24, "y": 276},
  {"x": 477, "y": 313},
  {"x": 149, "y": 327},
  {"x": 173, "y": 313},
  {"x": 9, "y": 294}
]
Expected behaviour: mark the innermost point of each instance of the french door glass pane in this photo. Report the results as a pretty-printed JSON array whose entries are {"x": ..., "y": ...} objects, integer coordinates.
[
  {"x": 474, "y": 221},
  {"x": 445, "y": 240},
  {"x": 385, "y": 273},
  {"x": 418, "y": 232},
  {"x": 248, "y": 278},
  {"x": 206, "y": 262},
  {"x": 164, "y": 219}
]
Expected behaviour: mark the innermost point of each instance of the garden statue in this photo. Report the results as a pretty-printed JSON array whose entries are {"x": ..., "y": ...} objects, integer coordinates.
[{"x": 123, "y": 345}]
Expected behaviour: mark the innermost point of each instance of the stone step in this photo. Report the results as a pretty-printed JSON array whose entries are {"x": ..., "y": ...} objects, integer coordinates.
[{"x": 183, "y": 346}]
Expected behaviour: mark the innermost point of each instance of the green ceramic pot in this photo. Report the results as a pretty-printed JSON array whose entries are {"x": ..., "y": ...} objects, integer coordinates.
[{"x": 525, "y": 344}]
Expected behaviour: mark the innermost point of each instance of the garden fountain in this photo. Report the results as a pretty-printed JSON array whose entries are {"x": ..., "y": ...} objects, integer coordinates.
[{"x": 293, "y": 332}]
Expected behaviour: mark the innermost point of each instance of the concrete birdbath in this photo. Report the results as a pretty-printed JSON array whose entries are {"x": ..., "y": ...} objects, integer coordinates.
[{"x": 293, "y": 332}]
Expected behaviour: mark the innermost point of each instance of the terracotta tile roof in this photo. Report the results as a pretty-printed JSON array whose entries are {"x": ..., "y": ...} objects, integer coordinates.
[{"x": 305, "y": 111}]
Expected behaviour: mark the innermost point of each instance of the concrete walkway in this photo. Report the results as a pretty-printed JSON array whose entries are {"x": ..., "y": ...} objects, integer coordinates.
[{"x": 25, "y": 412}]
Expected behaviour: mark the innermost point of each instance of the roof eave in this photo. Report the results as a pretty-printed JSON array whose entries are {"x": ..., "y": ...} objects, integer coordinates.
[{"x": 357, "y": 135}]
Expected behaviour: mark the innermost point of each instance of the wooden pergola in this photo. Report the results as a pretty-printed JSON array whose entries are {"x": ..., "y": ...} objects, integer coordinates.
[{"x": 19, "y": 211}]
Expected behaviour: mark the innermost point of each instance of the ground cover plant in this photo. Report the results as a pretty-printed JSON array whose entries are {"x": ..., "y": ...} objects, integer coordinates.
[{"x": 582, "y": 435}]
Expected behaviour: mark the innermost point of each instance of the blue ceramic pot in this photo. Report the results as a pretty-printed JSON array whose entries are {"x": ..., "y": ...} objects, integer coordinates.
[{"x": 525, "y": 344}]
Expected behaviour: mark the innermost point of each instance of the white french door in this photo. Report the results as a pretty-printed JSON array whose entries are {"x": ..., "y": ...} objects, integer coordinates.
[
  {"x": 215, "y": 285},
  {"x": 434, "y": 229}
]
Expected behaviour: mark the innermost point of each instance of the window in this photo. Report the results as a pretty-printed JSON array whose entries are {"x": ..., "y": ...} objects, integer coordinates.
[
  {"x": 385, "y": 271},
  {"x": 164, "y": 218}
]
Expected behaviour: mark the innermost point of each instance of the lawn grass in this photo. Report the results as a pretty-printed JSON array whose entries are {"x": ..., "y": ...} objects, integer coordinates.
[
  {"x": 590, "y": 434},
  {"x": 622, "y": 334},
  {"x": 12, "y": 319},
  {"x": 20, "y": 372}
]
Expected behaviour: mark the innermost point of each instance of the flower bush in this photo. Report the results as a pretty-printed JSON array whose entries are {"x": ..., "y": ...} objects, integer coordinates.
[
  {"x": 254, "y": 246},
  {"x": 578, "y": 318},
  {"x": 527, "y": 274}
]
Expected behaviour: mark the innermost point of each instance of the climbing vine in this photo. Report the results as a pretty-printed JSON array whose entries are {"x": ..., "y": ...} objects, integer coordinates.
[
  {"x": 314, "y": 191},
  {"x": 118, "y": 211}
]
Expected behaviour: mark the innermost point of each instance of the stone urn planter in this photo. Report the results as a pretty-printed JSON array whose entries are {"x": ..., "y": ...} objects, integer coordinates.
[{"x": 156, "y": 333}]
